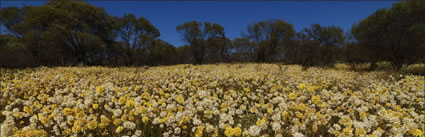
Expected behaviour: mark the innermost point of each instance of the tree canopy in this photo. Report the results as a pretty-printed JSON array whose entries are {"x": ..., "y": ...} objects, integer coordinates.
[
  {"x": 395, "y": 35},
  {"x": 270, "y": 36},
  {"x": 69, "y": 33},
  {"x": 201, "y": 37}
]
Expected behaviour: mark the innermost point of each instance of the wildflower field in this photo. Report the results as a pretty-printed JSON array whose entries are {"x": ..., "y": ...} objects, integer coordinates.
[{"x": 210, "y": 100}]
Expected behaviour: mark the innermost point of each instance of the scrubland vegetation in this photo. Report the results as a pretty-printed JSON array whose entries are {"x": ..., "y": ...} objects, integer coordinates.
[{"x": 69, "y": 69}]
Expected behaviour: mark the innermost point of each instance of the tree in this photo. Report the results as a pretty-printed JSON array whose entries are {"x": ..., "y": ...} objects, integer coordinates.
[
  {"x": 200, "y": 36},
  {"x": 218, "y": 50},
  {"x": 218, "y": 44},
  {"x": 12, "y": 18},
  {"x": 134, "y": 35},
  {"x": 12, "y": 54},
  {"x": 161, "y": 53},
  {"x": 371, "y": 34},
  {"x": 243, "y": 50},
  {"x": 78, "y": 29},
  {"x": 353, "y": 54},
  {"x": 395, "y": 34},
  {"x": 270, "y": 36},
  {"x": 183, "y": 55},
  {"x": 320, "y": 45}
]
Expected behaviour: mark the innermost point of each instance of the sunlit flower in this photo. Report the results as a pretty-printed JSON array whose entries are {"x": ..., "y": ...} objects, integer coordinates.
[
  {"x": 301, "y": 86},
  {"x": 180, "y": 99},
  {"x": 315, "y": 99},
  {"x": 95, "y": 106},
  {"x": 417, "y": 133},
  {"x": 119, "y": 129},
  {"x": 292, "y": 95},
  {"x": 199, "y": 131}
]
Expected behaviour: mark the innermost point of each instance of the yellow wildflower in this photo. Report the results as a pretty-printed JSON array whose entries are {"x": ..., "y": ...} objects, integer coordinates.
[
  {"x": 100, "y": 90},
  {"x": 360, "y": 132},
  {"x": 67, "y": 111},
  {"x": 300, "y": 115},
  {"x": 301, "y": 86},
  {"x": 129, "y": 103},
  {"x": 92, "y": 124},
  {"x": 348, "y": 131},
  {"x": 228, "y": 131},
  {"x": 270, "y": 111},
  {"x": 199, "y": 130},
  {"x": 292, "y": 96},
  {"x": 145, "y": 119},
  {"x": 119, "y": 129},
  {"x": 30, "y": 133},
  {"x": 95, "y": 106},
  {"x": 237, "y": 131},
  {"x": 117, "y": 122},
  {"x": 416, "y": 132},
  {"x": 310, "y": 90},
  {"x": 315, "y": 99},
  {"x": 180, "y": 99},
  {"x": 284, "y": 115}
]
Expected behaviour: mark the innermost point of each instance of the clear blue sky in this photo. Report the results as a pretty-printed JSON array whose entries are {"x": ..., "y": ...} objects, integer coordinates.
[{"x": 235, "y": 16}]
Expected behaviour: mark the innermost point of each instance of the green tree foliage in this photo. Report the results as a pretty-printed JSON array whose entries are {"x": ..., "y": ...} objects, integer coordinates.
[
  {"x": 184, "y": 55},
  {"x": 12, "y": 18},
  {"x": 81, "y": 27},
  {"x": 68, "y": 32},
  {"x": 243, "y": 50},
  {"x": 201, "y": 37},
  {"x": 318, "y": 45},
  {"x": 65, "y": 31},
  {"x": 219, "y": 50},
  {"x": 218, "y": 45},
  {"x": 161, "y": 53},
  {"x": 395, "y": 34},
  {"x": 134, "y": 35},
  {"x": 270, "y": 36},
  {"x": 12, "y": 54}
]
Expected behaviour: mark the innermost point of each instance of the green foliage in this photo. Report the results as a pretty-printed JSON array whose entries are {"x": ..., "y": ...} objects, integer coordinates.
[
  {"x": 243, "y": 50},
  {"x": 316, "y": 46},
  {"x": 394, "y": 34},
  {"x": 270, "y": 36},
  {"x": 201, "y": 37},
  {"x": 13, "y": 19},
  {"x": 134, "y": 35},
  {"x": 161, "y": 52},
  {"x": 12, "y": 53}
]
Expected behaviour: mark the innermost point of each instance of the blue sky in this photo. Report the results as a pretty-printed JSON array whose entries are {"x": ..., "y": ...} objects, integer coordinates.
[{"x": 234, "y": 16}]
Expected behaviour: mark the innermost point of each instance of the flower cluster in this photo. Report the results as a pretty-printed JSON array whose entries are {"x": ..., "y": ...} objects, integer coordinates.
[{"x": 210, "y": 100}]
